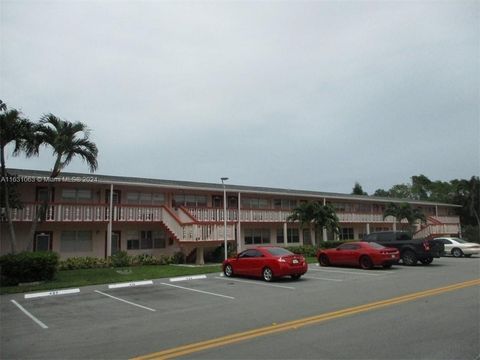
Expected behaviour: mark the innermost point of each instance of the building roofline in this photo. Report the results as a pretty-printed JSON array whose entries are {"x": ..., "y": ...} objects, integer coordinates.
[{"x": 191, "y": 185}]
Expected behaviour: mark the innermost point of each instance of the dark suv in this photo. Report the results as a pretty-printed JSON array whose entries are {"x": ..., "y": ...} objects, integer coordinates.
[{"x": 411, "y": 250}]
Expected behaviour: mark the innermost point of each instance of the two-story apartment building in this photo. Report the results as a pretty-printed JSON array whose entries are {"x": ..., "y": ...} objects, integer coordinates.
[{"x": 162, "y": 217}]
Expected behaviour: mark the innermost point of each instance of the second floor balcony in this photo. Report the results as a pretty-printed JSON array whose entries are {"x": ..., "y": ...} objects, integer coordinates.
[{"x": 61, "y": 212}]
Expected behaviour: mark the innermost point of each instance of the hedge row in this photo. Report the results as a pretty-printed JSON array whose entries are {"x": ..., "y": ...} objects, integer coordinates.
[
  {"x": 311, "y": 250},
  {"x": 27, "y": 267},
  {"x": 120, "y": 259}
]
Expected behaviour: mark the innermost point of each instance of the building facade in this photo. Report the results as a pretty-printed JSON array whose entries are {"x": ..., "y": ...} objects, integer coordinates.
[{"x": 161, "y": 217}]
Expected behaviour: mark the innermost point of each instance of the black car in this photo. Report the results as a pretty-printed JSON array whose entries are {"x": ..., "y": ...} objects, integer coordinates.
[{"x": 411, "y": 250}]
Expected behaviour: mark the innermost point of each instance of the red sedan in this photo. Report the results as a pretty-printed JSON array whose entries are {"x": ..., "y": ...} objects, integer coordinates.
[
  {"x": 267, "y": 262},
  {"x": 363, "y": 254}
]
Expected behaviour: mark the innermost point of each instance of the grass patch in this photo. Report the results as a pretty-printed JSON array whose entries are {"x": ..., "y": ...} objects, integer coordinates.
[
  {"x": 84, "y": 277},
  {"x": 311, "y": 260}
]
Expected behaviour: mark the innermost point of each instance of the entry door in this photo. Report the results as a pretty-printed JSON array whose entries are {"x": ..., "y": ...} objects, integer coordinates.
[
  {"x": 116, "y": 241},
  {"x": 42, "y": 241}
]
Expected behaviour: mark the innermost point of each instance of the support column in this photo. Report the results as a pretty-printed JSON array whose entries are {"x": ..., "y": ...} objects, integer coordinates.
[
  {"x": 199, "y": 259},
  {"x": 285, "y": 233},
  {"x": 368, "y": 228},
  {"x": 239, "y": 229},
  {"x": 110, "y": 224},
  {"x": 324, "y": 234}
]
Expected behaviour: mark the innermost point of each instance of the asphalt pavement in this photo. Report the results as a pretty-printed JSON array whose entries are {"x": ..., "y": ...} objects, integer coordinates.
[{"x": 421, "y": 312}]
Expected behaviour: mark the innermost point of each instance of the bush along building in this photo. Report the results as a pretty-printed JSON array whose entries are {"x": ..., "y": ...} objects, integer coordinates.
[{"x": 98, "y": 215}]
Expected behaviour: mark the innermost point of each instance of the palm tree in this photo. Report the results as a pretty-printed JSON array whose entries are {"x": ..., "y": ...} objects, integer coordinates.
[
  {"x": 19, "y": 131},
  {"x": 313, "y": 213},
  {"x": 63, "y": 137},
  {"x": 404, "y": 211},
  {"x": 68, "y": 140}
]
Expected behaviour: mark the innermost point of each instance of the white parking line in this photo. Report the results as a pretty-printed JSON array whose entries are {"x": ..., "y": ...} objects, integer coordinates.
[
  {"x": 52, "y": 293},
  {"x": 125, "y": 301},
  {"x": 346, "y": 272},
  {"x": 41, "y": 324},
  {"x": 255, "y": 283},
  {"x": 130, "y": 284},
  {"x": 200, "y": 291},
  {"x": 185, "y": 278},
  {"x": 319, "y": 278}
]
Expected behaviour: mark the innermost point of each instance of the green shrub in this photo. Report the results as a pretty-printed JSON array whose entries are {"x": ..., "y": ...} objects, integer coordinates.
[
  {"x": 85, "y": 262},
  {"x": 311, "y": 250},
  {"x": 121, "y": 259},
  {"x": 28, "y": 267},
  {"x": 178, "y": 258},
  {"x": 147, "y": 259},
  {"x": 305, "y": 250}
]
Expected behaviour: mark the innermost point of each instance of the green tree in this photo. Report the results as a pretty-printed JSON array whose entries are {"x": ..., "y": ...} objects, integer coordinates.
[
  {"x": 404, "y": 211},
  {"x": 67, "y": 140},
  {"x": 314, "y": 214},
  {"x": 358, "y": 190},
  {"x": 16, "y": 130}
]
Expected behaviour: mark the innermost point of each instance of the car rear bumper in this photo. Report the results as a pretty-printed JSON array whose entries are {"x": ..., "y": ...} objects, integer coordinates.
[
  {"x": 386, "y": 260},
  {"x": 287, "y": 269}
]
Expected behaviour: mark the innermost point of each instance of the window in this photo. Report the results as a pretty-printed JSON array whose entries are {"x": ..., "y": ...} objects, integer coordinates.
[
  {"x": 146, "y": 241},
  {"x": 76, "y": 194},
  {"x": 346, "y": 234},
  {"x": 279, "y": 251},
  {"x": 115, "y": 198},
  {"x": 159, "y": 239},
  {"x": 251, "y": 253},
  {"x": 133, "y": 242},
  {"x": 145, "y": 198},
  {"x": 76, "y": 241},
  {"x": 279, "y": 236},
  {"x": 284, "y": 203},
  {"x": 255, "y": 203},
  {"x": 349, "y": 247},
  {"x": 292, "y": 236},
  {"x": 257, "y": 236},
  {"x": 190, "y": 200}
]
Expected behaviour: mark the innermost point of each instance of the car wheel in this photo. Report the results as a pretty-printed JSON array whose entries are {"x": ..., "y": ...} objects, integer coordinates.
[
  {"x": 457, "y": 252},
  {"x": 427, "y": 261},
  {"x": 366, "y": 263},
  {"x": 267, "y": 274},
  {"x": 296, "y": 276},
  {"x": 228, "y": 271},
  {"x": 323, "y": 260},
  {"x": 387, "y": 266},
  {"x": 409, "y": 258}
]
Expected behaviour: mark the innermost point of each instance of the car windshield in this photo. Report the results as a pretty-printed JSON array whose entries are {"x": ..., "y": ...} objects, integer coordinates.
[
  {"x": 376, "y": 245},
  {"x": 279, "y": 251},
  {"x": 461, "y": 241}
]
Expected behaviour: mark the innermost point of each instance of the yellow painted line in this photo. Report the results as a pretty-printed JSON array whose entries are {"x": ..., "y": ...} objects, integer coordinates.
[{"x": 295, "y": 324}]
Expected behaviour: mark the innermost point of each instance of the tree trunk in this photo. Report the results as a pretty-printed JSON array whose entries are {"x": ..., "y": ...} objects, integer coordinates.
[
  {"x": 41, "y": 211},
  {"x": 11, "y": 228}
]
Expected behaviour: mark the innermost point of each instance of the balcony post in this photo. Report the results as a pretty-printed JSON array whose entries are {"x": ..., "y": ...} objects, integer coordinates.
[{"x": 110, "y": 220}]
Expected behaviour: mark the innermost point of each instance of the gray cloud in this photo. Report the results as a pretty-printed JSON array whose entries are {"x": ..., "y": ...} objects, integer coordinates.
[{"x": 313, "y": 95}]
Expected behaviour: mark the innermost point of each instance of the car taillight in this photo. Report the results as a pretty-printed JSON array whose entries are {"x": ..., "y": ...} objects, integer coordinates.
[{"x": 426, "y": 245}]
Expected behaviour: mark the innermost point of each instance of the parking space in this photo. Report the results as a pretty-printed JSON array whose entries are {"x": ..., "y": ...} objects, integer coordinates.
[
  {"x": 101, "y": 303},
  {"x": 165, "y": 306}
]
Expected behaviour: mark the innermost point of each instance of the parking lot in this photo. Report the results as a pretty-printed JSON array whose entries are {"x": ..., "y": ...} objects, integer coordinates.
[{"x": 330, "y": 313}]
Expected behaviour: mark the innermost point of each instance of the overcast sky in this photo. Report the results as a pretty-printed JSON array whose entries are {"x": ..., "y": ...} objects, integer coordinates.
[{"x": 303, "y": 95}]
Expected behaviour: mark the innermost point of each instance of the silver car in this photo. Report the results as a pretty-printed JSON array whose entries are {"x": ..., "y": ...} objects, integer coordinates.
[{"x": 459, "y": 247}]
